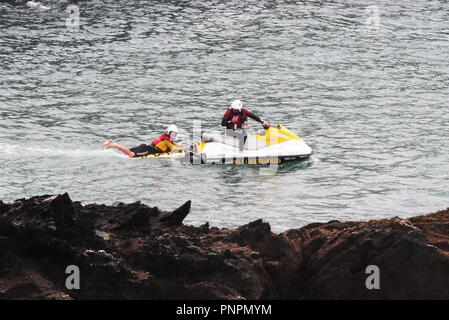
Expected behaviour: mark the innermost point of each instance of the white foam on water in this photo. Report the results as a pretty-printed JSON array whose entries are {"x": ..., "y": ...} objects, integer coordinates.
[
  {"x": 36, "y": 5},
  {"x": 33, "y": 151}
]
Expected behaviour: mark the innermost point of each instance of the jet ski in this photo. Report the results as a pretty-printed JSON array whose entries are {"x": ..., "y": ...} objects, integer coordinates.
[{"x": 275, "y": 145}]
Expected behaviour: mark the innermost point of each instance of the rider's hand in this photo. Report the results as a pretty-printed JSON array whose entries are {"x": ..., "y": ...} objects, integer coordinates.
[
  {"x": 266, "y": 125},
  {"x": 235, "y": 119}
]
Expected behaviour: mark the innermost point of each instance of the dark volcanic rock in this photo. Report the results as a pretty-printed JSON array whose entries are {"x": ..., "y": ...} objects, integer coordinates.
[{"x": 132, "y": 251}]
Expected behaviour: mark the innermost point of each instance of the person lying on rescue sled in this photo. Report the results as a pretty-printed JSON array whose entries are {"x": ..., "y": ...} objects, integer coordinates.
[
  {"x": 236, "y": 116},
  {"x": 160, "y": 145}
]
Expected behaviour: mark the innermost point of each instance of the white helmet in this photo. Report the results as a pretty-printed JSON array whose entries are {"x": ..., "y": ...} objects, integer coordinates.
[
  {"x": 237, "y": 105},
  {"x": 172, "y": 128}
]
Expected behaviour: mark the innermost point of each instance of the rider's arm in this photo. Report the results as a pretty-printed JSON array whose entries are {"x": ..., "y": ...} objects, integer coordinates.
[
  {"x": 265, "y": 124},
  {"x": 172, "y": 147},
  {"x": 253, "y": 116},
  {"x": 227, "y": 118}
]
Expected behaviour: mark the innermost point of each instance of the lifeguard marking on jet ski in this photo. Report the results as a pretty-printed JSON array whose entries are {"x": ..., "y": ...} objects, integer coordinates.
[{"x": 258, "y": 161}]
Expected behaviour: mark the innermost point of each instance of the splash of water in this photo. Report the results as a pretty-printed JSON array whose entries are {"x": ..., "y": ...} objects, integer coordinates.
[{"x": 58, "y": 151}]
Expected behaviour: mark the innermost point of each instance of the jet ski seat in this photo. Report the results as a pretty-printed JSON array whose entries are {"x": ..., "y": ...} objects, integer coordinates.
[{"x": 250, "y": 142}]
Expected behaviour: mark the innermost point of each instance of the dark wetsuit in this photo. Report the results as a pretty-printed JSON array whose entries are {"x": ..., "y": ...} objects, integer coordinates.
[
  {"x": 159, "y": 145},
  {"x": 243, "y": 116},
  {"x": 144, "y": 150}
]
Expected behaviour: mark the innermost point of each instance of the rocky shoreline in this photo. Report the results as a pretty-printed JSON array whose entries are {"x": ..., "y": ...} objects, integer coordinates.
[{"x": 132, "y": 251}]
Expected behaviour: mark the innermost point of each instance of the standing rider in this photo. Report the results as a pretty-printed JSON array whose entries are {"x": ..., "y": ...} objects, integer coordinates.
[
  {"x": 236, "y": 116},
  {"x": 162, "y": 144}
]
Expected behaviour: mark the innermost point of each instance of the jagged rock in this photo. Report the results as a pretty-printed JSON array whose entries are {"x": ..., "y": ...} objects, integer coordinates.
[
  {"x": 176, "y": 217},
  {"x": 132, "y": 251},
  {"x": 134, "y": 217}
]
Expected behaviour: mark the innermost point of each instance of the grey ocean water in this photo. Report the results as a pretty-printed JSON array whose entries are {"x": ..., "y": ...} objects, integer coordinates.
[{"x": 368, "y": 92}]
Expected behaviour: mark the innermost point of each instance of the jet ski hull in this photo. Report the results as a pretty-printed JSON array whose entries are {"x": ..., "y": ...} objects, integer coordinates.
[{"x": 251, "y": 160}]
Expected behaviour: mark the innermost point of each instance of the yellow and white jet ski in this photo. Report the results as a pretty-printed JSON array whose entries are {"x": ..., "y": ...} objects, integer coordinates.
[{"x": 275, "y": 145}]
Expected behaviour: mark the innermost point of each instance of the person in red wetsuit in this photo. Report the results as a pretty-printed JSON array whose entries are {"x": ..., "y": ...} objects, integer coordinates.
[
  {"x": 162, "y": 144},
  {"x": 236, "y": 116}
]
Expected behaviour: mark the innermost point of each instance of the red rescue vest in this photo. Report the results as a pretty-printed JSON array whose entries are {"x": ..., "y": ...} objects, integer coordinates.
[
  {"x": 163, "y": 136},
  {"x": 242, "y": 117}
]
